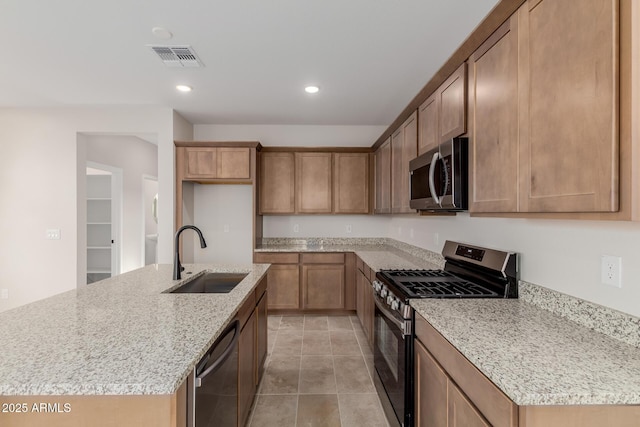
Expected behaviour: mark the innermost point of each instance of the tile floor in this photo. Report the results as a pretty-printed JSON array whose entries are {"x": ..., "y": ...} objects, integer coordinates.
[{"x": 318, "y": 373}]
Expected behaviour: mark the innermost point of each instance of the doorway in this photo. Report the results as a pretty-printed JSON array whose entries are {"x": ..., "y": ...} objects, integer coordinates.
[
  {"x": 150, "y": 219},
  {"x": 104, "y": 201}
]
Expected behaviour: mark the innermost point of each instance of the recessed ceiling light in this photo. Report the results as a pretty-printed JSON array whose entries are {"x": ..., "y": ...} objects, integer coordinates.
[
  {"x": 184, "y": 88},
  {"x": 312, "y": 89},
  {"x": 161, "y": 33}
]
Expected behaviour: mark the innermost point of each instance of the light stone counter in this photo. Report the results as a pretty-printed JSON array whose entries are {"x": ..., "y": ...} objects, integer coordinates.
[
  {"x": 536, "y": 357},
  {"x": 120, "y": 336}
]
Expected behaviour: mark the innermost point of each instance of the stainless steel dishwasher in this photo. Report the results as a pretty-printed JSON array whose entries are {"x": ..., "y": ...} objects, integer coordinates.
[{"x": 213, "y": 385}]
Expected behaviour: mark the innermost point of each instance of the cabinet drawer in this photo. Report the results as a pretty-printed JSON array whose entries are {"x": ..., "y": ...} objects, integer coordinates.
[
  {"x": 332, "y": 258},
  {"x": 276, "y": 258},
  {"x": 247, "y": 309},
  {"x": 494, "y": 405}
]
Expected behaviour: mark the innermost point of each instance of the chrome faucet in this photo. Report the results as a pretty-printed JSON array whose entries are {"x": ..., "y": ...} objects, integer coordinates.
[{"x": 177, "y": 267}]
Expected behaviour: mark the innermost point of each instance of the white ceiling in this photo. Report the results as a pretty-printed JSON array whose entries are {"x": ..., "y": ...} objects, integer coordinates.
[{"x": 370, "y": 57}]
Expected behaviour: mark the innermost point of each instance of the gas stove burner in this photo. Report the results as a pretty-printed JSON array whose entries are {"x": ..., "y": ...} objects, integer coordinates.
[
  {"x": 418, "y": 273},
  {"x": 469, "y": 272}
]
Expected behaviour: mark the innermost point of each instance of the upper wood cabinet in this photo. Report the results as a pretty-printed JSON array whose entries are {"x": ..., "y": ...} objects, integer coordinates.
[
  {"x": 351, "y": 182},
  {"x": 443, "y": 115},
  {"x": 310, "y": 182},
  {"x": 404, "y": 143},
  {"x": 313, "y": 183},
  {"x": 277, "y": 178},
  {"x": 382, "y": 160},
  {"x": 545, "y": 108},
  {"x": 568, "y": 91},
  {"x": 217, "y": 163},
  {"x": 493, "y": 112},
  {"x": 428, "y": 135}
]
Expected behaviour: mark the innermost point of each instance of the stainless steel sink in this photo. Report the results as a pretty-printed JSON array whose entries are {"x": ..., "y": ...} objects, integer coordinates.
[{"x": 211, "y": 283}]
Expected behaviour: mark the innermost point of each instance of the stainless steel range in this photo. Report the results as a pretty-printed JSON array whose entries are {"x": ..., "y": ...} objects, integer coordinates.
[{"x": 469, "y": 272}]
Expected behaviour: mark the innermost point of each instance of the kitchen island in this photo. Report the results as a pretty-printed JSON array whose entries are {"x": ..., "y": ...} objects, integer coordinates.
[{"x": 122, "y": 347}]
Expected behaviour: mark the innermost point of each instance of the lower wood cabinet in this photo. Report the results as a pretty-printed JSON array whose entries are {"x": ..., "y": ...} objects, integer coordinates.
[
  {"x": 310, "y": 281},
  {"x": 451, "y": 392},
  {"x": 252, "y": 348},
  {"x": 323, "y": 286},
  {"x": 365, "y": 306},
  {"x": 246, "y": 369}
]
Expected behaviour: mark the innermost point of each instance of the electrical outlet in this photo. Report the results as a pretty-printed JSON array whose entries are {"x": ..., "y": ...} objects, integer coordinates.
[
  {"x": 4, "y": 293},
  {"x": 296, "y": 228},
  {"x": 611, "y": 271},
  {"x": 436, "y": 239},
  {"x": 348, "y": 228},
  {"x": 53, "y": 234},
  {"x": 226, "y": 228},
  {"x": 411, "y": 233}
]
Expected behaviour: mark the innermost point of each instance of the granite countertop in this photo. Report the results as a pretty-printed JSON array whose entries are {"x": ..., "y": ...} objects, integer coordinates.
[
  {"x": 120, "y": 336},
  {"x": 378, "y": 254},
  {"x": 536, "y": 357}
]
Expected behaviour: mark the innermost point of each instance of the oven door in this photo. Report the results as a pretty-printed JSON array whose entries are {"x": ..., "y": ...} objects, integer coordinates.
[{"x": 392, "y": 355}]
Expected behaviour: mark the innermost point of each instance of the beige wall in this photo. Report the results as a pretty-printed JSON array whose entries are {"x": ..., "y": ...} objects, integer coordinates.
[{"x": 39, "y": 186}]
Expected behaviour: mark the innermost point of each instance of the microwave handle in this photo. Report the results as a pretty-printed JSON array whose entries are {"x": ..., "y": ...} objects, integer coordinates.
[{"x": 432, "y": 173}]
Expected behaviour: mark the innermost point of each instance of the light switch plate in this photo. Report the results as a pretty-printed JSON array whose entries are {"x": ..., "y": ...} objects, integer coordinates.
[
  {"x": 4, "y": 293},
  {"x": 348, "y": 228},
  {"x": 53, "y": 234}
]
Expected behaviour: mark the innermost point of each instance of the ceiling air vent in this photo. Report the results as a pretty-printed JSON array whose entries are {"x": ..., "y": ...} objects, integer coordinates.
[{"x": 177, "y": 56}]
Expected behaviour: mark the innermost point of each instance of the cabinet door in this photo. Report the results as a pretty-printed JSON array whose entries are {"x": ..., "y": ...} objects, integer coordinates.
[
  {"x": 452, "y": 96},
  {"x": 404, "y": 146},
  {"x": 246, "y": 369},
  {"x": 431, "y": 407},
  {"x": 428, "y": 132},
  {"x": 351, "y": 183},
  {"x": 201, "y": 162},
  {"x": 234, "y": 163},
  {"x": 462, "y": 413},
  {"x": 494, "y": 131},
  {"x": 277, "y": 177},
  {"x": 323, "y": 286},
  {"x": 283, "y": 286},
  {"x": 568, "y": 87},
  {"x": 261, "y": 337},
  {"x": 360, "y": 296},
  {"x": 313, "y": 182},
  {"x": 369, "y": 310},
  {"x": 383, "y": 178}
]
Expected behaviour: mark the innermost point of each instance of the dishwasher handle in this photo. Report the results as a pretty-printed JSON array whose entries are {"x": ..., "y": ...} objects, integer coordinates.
[{"x": 234, "y": 328}]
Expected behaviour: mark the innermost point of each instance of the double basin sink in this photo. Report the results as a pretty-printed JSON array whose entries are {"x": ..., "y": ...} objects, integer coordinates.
[{"x": 211, "y": 283}]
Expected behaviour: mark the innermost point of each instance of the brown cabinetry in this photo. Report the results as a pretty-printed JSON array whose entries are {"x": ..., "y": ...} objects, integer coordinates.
[
  {"x": 351, "y": 183},
  {"x": 283, "y": 278},
  {"x": 309, "y": 182},
  {"x": 246, "y": 369},
  {"x": 382, "y": 160},
  {"x": 310, "y": 281},
  {"x": 568, "y": 88},
  {"x": 443, "y": 115},
  {"x": 364, "y": 299},
  {"x": 217, "y": 163},
  {"x": 313, "y": 183},
  {"x": 545, "y": 107},
  {"x": 493, "y": 83},
  {"x": 277, "y": 178},
  {"x": 252, "y": 348},
  {"x": 403, "y": 149},
  {"x": 450, "y": 391},
  {"x": 323, "y": 281}
]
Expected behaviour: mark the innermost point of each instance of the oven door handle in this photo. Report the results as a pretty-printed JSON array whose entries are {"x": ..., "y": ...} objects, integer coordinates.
[
  {"x": 432, "y": 176},
  {"x": 389, "y": 314}
]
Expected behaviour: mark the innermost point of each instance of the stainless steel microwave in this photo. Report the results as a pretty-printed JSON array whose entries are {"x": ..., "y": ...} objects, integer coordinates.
[{"x": 439, "y": 177}]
